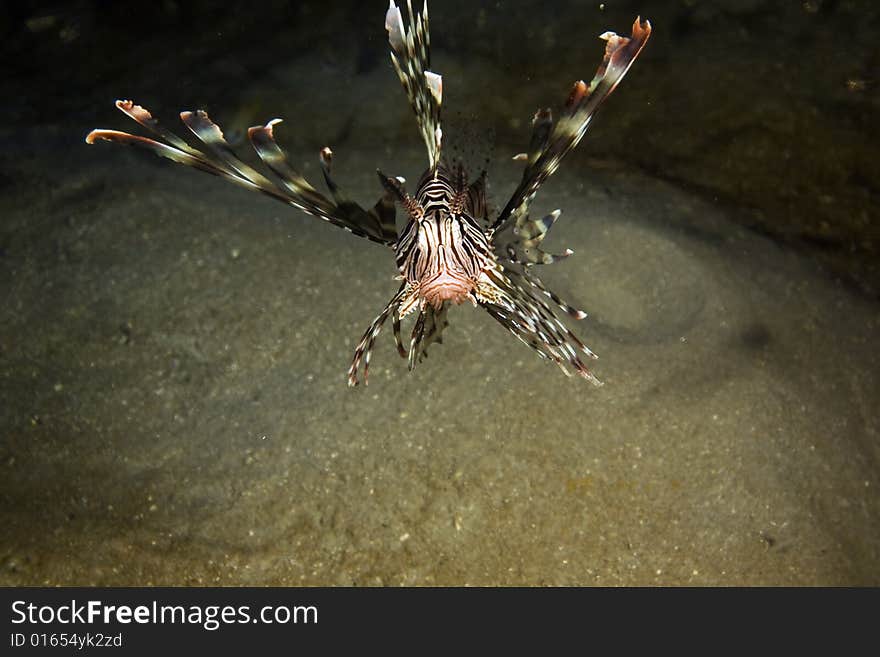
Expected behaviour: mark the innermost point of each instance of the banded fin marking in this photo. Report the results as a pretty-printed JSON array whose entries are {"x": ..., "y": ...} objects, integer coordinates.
[
  {"x": 535, "y": 324},
  {"x": 551, "y": 142},
  {"x": 521, "y": 242},
  {"x": 380, "y": 218},
  {"x": 220, "y": 160},
  {"x": 411, "y": 58},
  {"x": 365, "y": 346}
]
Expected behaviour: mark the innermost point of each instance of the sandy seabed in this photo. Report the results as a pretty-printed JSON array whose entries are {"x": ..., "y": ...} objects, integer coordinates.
[{"x": 175, "y": 411}]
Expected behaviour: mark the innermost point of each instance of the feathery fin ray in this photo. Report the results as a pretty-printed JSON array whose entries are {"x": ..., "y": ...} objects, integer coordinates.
[
  {"x": 448, "y": 217},
  {"x": 220, "y": 160},
  {"x": 551, "y": 141},
  {"x": 411, "y": 57}
]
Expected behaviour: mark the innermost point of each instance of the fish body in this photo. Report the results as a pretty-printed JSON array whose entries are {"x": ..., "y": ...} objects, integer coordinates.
[
  {"x": 444, "y": 249},
  {"x": 450, "y": 250}
]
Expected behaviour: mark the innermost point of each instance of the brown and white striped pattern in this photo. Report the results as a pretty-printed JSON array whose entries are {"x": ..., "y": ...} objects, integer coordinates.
[
  {"x": 411, "y": 57},
  {"x": 291, "y": 188},
  {"x": 551, "y": 142},
  {"x": 449, "y": 251}
]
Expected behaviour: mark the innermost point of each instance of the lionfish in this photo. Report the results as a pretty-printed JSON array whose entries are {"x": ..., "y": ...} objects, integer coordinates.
[{"x": 450, "y": 250}]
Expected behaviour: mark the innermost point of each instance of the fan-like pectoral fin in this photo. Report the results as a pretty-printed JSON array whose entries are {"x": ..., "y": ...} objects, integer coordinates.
[
  {"x": 163, "y": 150},
  {"x": 220, "y": 160},
  {"x": 398, "y": 340},
  {"x": 411, "y": 57},
  {"x": 385, "y": 212},
  {"x": 344, "y": 213},
  {"x": 415, "y": 341},
  {"x": 365, "y": 346},
  {"x": 429, "y": 328},
  {"x": 551, "y": 141},
  {"x": 379, "y": 220},
  {"x": 534, "y": 323},
  {"x": 174, "y": 148},
  {"x": 520, "y": 241}
]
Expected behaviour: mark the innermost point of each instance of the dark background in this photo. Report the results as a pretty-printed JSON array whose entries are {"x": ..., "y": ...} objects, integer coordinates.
[
  {"x": 173, "y": 405},
  {"x": 767, "y": 107}
]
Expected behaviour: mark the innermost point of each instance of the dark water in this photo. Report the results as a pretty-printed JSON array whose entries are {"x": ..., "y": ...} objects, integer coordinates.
[{"x": 173, "y": 399}]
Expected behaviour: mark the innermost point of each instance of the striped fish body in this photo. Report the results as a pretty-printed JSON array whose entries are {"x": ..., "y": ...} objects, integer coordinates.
[
  {"x": 450, "y": 250},
  {"x": 444, "y": 249}
]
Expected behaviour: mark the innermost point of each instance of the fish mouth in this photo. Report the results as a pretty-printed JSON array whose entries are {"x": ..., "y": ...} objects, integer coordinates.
[{"x": 447, "y": 286}]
